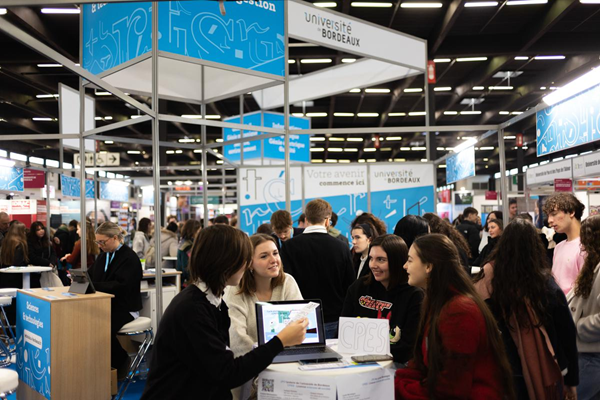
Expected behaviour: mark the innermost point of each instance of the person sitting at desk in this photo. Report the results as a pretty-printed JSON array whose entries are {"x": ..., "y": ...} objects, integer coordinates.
[
  {"x": 264, "y": 280},
  {"x": 385, "y": 294},
  {"x": 191, "y": 350},
  {"x": 118, "y": 271}
]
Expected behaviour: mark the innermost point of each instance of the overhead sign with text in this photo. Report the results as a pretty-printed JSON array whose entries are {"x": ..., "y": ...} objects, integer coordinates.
[
  {"x": 114, "y": 191},
  {"x": 12, "y": 179},
  {"x": 399, "y": 189},
  {"x": 549, "y": 172},
  {"x": 71, "y": 187},
  {"x": 573, "y": 122},
  {"x": 460, "y": 165},
  {"x": 586, "y": 166}
]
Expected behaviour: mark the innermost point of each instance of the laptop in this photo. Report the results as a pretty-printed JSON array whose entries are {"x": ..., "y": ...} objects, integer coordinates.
[{"x": 272, "y": 317}]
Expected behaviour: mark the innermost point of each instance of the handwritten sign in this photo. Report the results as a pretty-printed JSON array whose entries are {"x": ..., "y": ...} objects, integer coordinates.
[{"x": 364, "y": 336}]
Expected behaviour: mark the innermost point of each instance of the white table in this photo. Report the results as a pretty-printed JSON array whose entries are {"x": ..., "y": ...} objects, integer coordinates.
[
  {"x": 166, "y": 258},
  {"x": 26, "y": 271}
]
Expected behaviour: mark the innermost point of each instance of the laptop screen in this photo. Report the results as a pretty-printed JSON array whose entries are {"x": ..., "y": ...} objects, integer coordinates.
[{"x": 272, "y": 317}]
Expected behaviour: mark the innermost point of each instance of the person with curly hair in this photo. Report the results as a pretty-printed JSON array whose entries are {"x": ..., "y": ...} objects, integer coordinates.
[
  {"x": 564, "y": 212},
  {"x": 585, "y": 309},
  {"x": 438, "y": 225}
]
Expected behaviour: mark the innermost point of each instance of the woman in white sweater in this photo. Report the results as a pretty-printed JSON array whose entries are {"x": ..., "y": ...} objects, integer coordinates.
[
  {"x": 584, "y": 302},
  {"x": 264, "y": 280}
]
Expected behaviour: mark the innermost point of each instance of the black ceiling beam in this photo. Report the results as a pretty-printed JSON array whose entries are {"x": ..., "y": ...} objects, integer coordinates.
[{"x": 452, "y": 13}]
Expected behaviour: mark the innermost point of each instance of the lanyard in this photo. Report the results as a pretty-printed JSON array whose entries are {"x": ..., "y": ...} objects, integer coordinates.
[{"x": 108, "y": 261}]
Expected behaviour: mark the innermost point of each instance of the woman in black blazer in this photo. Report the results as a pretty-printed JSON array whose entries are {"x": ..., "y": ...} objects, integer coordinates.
[{"x": 117, "y": 271}]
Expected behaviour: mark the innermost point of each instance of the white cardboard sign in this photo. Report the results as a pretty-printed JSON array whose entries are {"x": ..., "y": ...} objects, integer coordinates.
[{"x": 363, "y": 336}]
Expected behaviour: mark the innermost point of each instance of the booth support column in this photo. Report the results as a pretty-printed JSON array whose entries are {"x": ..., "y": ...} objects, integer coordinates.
[
  {"x": 156, "y": 163},
  {"x": 286, "y": 112},
  {"x": 82, "y": 197},
  {"x": 503, "y": 179},
  {"x": 205, "y": 153}
]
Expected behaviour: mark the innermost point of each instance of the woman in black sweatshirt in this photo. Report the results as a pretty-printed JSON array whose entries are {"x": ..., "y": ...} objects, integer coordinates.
[
  {"x": 386, "y": 294},
  {"x": 191, "y": 357},
  {"x": 41, "y": 251}
]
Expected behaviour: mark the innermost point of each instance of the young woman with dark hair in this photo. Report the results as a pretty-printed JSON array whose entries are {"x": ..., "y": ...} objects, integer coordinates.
[
  {"x": 92, "y": 248},
  {"x": 15, "y": 252},
  {"x": 532, "y": 312},
  {"x": 495, "y": 228},
  {"x": 362, "y": 236},
  {"x": 385, "y": 294},
  {"x": 191, "y": 349},
  {"x": 485, "y": 233},
  {"x": 584, "y": 303},
  {"x": 188, "y": 233},
  {"x": 41, "y": 252},
  {"x": 411, "y": 227},
  {"x": 459, "y": 353},
  {"x": 368, "y": 218},
  {"x": 141, "y": 240},
  {"x": 438, "y": 225}
]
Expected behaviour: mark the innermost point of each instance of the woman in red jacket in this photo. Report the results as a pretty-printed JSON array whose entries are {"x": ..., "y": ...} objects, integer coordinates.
[{"x": 459, "y": 354}]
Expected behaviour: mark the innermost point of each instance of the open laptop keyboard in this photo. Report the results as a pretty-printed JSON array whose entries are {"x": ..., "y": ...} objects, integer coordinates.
[{"x": 312, "y": 350}]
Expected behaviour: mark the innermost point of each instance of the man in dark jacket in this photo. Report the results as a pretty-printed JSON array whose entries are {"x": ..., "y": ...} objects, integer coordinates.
[
  {"x": 320, "y": 263},
  {"x": 470, "y": 230}
]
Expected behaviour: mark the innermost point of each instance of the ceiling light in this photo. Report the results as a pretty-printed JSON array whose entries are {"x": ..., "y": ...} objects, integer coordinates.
[
  {"x": 181, "y": 151},
  {"x": 329, "y": 160},
  {"x": 369, "y": 150},
  {"x": 417, "y": 114},
  {"x": 507, "y": 74},
  {"x": 336, "y": 139},
  {"x": 589, "y": 1},
  {"x": 354, "y": 139},
  {"x": 517, "y": 112},
  {"x": 43, "y": 119},
  {"x": 521, "y": 58},
  {"x": 549, "y": 58},
  {"x": 580, "y": 84},
  {"x": 413, "y": 90},
  {"x": 478, "y": 87},
  {"x": 315, "y": 61},
  {"x": 552, "y": 88},
  {"x": 525, "y": 2},
  {"x": 108, "y": 118},
  {"x": 386, "y": 149},
  {"x": 197, "y": 116},
  {"x": 60, "y": 10},
  {"x": 47, "y": 65},
  {"x": 369, "y": 4},
  {"x": 317, "y": 139},
  {"x": 109, "y": 142},
  {"x": 374, "y": 90},
  {"x": 316, "y": 149},
  {"x": 366, "y": 115},
  {"x": 470, "y": 112},
  {"x": 397, "y": 114},
  {"x": 97, "y": 118},
  {"x": 316, "y": 114},
  {"x": 186, "y": 140},
  {"x": 354, "y": 90},
  {"x": 46, "y": 96},
  {"x": 509, "y": 137},
  {"x": 470, "y": 59},
  {"x": 298, "y": 114},
  {"x": 325, "y": 4},
  {"x": 543, "y": 88},
  {"x": 2, "y": 11},
  {"x": 348, "y": 60},
  {"x": 404, "y": 148},
  {"x": 442, "y": 89},
  {"x": 421, "y": 5},
  {"x": 418, "y": 148},
  {"x": 481, "y": 4},
  {"x": 442, "y": 60},
  {"x": 393, "y": 138},
  {"x": 291, "y": 61},
  {"x": 335, "y": 149},
  {"x": 343, "y": 114},
  {"x": 134, "y": 152},
  {"x": 486, "y": 148},
  {"x": 103, "y": 93},
  {"x": 500, "y": 87},
  {"x": 351, "y": 150},
  {"x": 450, "y": 112},
  {"x": 486, "y": 159},
  {"x": 316, "y": 161}
]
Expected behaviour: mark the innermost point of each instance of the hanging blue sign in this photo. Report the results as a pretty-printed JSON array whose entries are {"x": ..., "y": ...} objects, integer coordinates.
[
  {"x": 71, "y": 187},
  {"x": 299, "y": 144},
  {"x": 460, "y": 165},
  {"x": 33, "y": 343},
  {"x": 569, "y": 124},
  {"x": 245, "y": 34},
  {"x": 252, "y": 149},
  {"x": 114, "y": 191},
  {"x": 115, "y": 33},
  {"x": 12, "y": 179}
]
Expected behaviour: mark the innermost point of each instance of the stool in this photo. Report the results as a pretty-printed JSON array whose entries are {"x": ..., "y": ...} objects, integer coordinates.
[
  {"x": 6, "y": 298},
  {"x": 9, "y": 381},
  {"x": 139, "y": 326}
]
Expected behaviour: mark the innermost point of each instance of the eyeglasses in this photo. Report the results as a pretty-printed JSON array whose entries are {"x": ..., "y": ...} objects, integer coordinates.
[{"x": 102, "y": 242}]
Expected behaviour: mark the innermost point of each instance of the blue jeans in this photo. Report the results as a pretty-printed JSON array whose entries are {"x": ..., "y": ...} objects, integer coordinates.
[
  {"x": 331, "y": 330},
  {"x": 589, "y": 376}
]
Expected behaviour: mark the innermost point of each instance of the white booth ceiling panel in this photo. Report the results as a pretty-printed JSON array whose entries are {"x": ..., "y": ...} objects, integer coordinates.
[{"x": 331, "y": 81}]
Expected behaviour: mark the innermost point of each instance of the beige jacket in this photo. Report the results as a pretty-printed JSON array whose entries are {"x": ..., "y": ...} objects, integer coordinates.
[{"x": 586, "y": 315}]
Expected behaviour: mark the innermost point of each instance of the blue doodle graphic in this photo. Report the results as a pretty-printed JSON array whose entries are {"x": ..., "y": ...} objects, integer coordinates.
[
  {"x": 71, "y": 187},
  {"x": 33, "y": 343},
  {"x": 460, "y": 165},
  {"x": 115, "y": 192},
  {"x": 392, "y": 205},
  {"x": 346, "y": 207},
  {"x": 568, "y": 124},
  {"x": 243, "y": 34},
  {"x": 12, "y": 179}
]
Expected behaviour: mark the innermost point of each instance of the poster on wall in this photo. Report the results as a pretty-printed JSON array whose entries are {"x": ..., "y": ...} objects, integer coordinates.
[
  {"x": 71, "y": 187},
  {"x": 34, "y": 179},
  {"x": 114, "y": 191},
  {"x": 460, "y": 165},
  {"x": 344, "y": 187},
  {"x": 12, "y": 179},
  {"x": 262, "y": 192},
  {"x": 400, "y": 189},
  {"x": 33, "y": 343}
]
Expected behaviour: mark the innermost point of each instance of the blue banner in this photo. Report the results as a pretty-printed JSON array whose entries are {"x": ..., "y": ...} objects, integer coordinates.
[
  {"x": 569, "y": 124},
  {"x": 460, "y": 165},
  {"x": 299, "y": 144},
  {"x": 71, "y": 187},
  {"x": 11, "y": 178},
  {"x": 245, "y": 34},
  {"x": 112, "y": 191},
  {"x": 252, "y": 150},
  {"x": 33, "y": 343},
  {"x": 391, "y": 206},
  {"x": 115, "y": 33}
]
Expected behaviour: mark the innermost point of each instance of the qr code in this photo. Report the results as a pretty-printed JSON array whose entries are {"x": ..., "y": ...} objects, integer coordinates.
[{"x": 268, "y": 385}]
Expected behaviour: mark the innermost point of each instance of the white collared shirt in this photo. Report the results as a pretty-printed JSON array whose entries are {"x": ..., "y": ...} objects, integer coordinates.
[
  {"x": 212, "y": 299},
  {"x": 315, "y": 229}
]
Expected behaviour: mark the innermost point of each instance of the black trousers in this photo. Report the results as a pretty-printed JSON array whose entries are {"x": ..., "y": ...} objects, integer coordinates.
[{"x": 119, "y": 317}]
